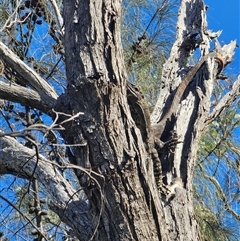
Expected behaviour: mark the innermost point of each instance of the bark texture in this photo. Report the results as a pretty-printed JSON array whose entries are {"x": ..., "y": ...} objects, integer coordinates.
[
  {"x": 124, "y": 196},
  {"x": 114, "y": 151},
  {"x": 107, "y": 150}
]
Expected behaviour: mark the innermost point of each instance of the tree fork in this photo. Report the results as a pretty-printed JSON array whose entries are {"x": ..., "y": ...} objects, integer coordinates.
[
  {"x": 122, "y": 191},
  {"x": 97, "y": 87}
]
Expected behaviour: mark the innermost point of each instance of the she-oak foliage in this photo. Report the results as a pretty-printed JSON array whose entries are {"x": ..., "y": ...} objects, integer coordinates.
[{"x": 71, "y": 132}]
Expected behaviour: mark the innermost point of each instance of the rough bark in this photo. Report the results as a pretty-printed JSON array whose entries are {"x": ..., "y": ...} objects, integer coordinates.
[
  {"x": 26, "y": 96},
  {"x": 97, "y": 87},
  {"x": 128, "y": 200},
  {"x": 108, "y": 153}
]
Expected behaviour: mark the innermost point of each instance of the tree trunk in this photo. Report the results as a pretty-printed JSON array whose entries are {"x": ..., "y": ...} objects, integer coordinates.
[
  {"x": 115, "y": 157},
  {"x": 109, "y": 134},
  {"x": 118, "y": 179}
]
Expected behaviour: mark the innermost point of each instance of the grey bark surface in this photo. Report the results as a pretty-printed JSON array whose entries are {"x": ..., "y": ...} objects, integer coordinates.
[
  {"x": 29, "y": 76},
  {"x": 97, "y": 77},
  {"x": 108, "y": 153}
]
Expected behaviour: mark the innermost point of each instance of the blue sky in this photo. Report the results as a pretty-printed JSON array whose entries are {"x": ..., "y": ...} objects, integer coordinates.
[
  {"x": 225, "y": 15},
  {"x": 222, "y": 15}
]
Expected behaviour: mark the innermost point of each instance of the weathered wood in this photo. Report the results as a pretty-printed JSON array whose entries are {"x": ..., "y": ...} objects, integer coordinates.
[
  {"x": 29, "y": 76},
  {"x": 109, "y": 151},
  {"x": 26, "y": 96}
]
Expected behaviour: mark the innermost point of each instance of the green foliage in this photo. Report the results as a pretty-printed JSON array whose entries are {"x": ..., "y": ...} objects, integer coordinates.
[
  {"x": 33, "y": 35},
  {"x": 29, "y": 29},
  {"x": 217, "y": 176},
  {"x": 148, "y": 31},
  {"x": 211, "y": 227}
]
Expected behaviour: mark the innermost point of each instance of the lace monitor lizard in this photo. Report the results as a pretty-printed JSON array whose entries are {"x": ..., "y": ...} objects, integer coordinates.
[{"x": 152, "y": 133}]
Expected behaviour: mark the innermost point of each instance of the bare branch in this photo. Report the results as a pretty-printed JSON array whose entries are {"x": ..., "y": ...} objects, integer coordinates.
[
  {"x": 24, "y": 215},
  {"x": 58, "y": 14},
  {"x": 16, "y": 158},
  {"x": 10, "y": 22},
  {"x": 19, "y": 160},
  {"x": 221, "y": 193},
  {"x": 30, "y": 77},
  {"x": 225, "y": 102},
  {"x": 227, "y": 50},
  {"x": 26, "y": 96}
]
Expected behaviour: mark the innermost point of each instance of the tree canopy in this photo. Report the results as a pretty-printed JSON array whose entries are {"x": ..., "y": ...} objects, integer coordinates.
[{"x": 107, "y": 130}]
